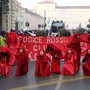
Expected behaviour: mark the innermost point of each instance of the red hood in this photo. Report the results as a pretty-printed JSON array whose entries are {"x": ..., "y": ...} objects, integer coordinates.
[
  {"x": 76, "y": 34},
  {"x": 4, "y": 49},
  {"x": 54, "y": 46},
  {"x": 73, "y": 51}
]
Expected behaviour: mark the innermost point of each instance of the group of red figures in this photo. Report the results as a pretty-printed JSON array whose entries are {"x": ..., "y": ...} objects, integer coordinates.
[
  {"x": 48, "y": 61},
  {"x": 13, "y": 54}
]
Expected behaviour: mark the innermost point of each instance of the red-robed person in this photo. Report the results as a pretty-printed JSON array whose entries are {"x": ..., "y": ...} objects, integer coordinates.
[
  {"x": 12, "y": 41},
  {"x": 6, "y": 60},
  {"x": 22, "y": 62},
  {"x": 86, "y": 64},
  {"x": 56, "y": 54},
  {"x": 85, "y": 40},
  {"x": 42, "y": 64},
  {"x": 75, "y": 44},
  {"x": 69, "y": 63}
]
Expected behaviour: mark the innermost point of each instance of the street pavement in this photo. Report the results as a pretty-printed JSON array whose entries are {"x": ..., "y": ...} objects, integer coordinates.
[{"x": 53, "y": 82}]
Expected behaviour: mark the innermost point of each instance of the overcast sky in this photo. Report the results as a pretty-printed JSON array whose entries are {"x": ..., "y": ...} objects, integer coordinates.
[{"x": 31, "y": 3}]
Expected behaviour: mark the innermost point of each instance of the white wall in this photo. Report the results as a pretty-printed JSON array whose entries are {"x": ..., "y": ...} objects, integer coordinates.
[
  {"x": 72, "y": 16},
  {"x": 49, "y": 10}
]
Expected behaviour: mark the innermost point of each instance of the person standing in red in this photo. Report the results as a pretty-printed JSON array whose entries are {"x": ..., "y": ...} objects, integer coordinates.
[
  {"x": 56, "y": 54},
  {"x": 85, "y": 40},
  {"x": 75, "y": 44},
  {"x": 42, "y": 65},
  {"x": 56, "y": 62},
  {"x": 69, "y": 63},
  {"x": 22, "y": 62},
  {"x": 12, "y": 40},
  {"x": 6, "y": 60},
  {"x": 86, "y": 63}
]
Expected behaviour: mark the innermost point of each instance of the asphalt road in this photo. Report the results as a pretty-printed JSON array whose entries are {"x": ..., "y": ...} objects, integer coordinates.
[{"x": 53, "y": 82}]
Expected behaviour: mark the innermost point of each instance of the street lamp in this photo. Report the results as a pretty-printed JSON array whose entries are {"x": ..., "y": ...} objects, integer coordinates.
[{"x": 44, "y": 20}]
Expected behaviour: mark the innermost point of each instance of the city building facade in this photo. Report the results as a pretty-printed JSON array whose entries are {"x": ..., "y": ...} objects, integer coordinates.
[
  {"x": 16, "y": 17},
  {"x": 7, "y": 15},
  {"x": 73, "y": 16},
  {"x": 33, "y": 19}
]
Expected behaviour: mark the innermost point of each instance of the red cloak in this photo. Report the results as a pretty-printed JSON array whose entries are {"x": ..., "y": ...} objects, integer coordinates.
[
  {"x": 86, "y": 65},
  {"x": 55, "y": 51},
  {"x": 22, "y": 62},
  {"x": 6, "y": 59},
  {"x": 42, "y": 65},
  {"x": 75, "y": 44},
  {"x": 69, "y": 63},
  {"x": 12, "y": 41}
]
